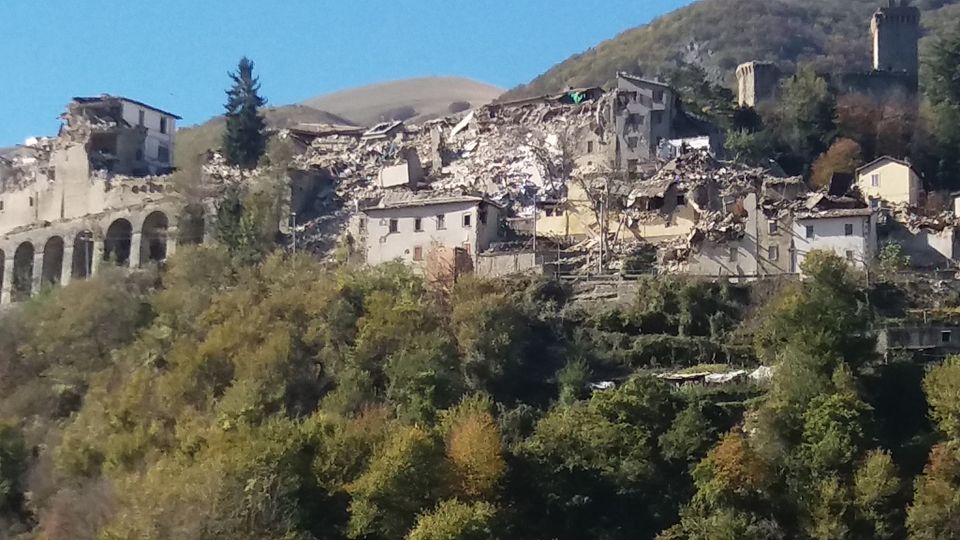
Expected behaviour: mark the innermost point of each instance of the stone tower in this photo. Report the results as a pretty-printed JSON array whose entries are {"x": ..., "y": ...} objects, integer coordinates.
[
  {"x": 757, "y": 82},
  {"x": 895, "y": 30}
]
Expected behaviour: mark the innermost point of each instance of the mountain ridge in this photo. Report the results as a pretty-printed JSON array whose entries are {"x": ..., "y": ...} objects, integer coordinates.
[{"x": 720, "y": 34}]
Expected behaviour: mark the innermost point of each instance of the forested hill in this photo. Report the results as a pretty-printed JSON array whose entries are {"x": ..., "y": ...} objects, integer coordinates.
[{"x": 720, "y": 34}]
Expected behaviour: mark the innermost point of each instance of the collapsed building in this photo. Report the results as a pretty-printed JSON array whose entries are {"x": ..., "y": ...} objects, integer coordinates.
[{"x": 100, "y": 190}]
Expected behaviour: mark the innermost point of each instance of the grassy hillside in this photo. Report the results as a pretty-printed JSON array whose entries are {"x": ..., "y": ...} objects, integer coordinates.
[
  {"x": 720, "y": 34},
  {"x": 413, "y": 100}
]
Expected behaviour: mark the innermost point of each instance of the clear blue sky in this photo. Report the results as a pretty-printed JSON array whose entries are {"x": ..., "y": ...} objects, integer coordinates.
[{"x": 175, "y": 53}]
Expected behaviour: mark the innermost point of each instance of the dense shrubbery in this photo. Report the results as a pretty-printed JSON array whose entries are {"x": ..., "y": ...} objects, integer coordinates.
[{"x": 289, "y": 400}]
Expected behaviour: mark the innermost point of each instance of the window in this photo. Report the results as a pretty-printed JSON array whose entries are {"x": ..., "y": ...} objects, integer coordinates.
[
  {"x": 163, "y": 125},
  {"x": 467, "y": 221},
  {"x": 140, "y": 154},
  {"x": 633, "y": 142},
  {"x": 658, "y": 96},
  {"x": 635, "y": 119},
  {"x": 1, "y": 206},
  {"x": 143, "y": 117},
  {"x": 631, "y": 165},
  {"x": 850, "y": 256},
  {"x": 417, "y": 253},
  {"x": 874, "y": 203},
  {"x": 875, "y": 180},
  {"x": 417, "y": 224},
  {"x": 681, "y": 199},
  {"x": 773, "y": 253},
  {"x": 441, "y": 222},
  {"x": 733, "y": 254},
  {"x": 394, "y": 225},
  {"x": 548, "y": 212},
  {"x": 589, "y": 147},
  {"x": 362, "y": 225},
  {"x": 31, "y": 201},
  {"x": 848, "y": 229},
  {"x": 945, "y": 336},
  {"x": 809, "y": 231},
  {"x": 656, "y": 117},
  {"x": 163, "y": 154},
  {"x": 772, "y": 226}
]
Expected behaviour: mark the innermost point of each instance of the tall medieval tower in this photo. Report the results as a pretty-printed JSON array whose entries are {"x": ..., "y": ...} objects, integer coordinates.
[{"x": 896, "y": 35}]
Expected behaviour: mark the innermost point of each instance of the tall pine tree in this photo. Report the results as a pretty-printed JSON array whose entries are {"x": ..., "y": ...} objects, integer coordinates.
[{"x": 244, "y": 140}]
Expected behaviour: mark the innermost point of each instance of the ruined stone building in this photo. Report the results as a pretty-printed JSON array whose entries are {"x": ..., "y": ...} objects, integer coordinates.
[
  {"x": 894, "y": 74},
  {"x": 99, "y": 190},
  {"x": 757, "y": 82},
  {"x": 647, "y": 114}
]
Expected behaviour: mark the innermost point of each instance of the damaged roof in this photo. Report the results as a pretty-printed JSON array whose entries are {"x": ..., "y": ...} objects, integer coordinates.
[
  {"x": 106, "y": 97},
  {"x": 408, "y": 199}
]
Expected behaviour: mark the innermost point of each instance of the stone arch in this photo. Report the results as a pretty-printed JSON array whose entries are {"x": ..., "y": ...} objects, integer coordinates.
[
  {"x": 83, "y": 253},
  {"x": 23, "y": 272},
  {"x": 153, "y": 242},
  {"x": 117, "y": 242},
  {"x": 52, "y": 261},
  {"x": 192, "y": 225}
]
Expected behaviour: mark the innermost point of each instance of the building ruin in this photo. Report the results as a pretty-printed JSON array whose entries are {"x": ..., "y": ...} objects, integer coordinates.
[{"x": 99, "y": 191}]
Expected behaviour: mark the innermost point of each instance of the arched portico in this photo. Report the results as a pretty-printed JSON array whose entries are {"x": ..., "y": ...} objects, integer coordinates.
[
  {"x": 117, "y": 242},
  {"x": 153, "y": 240},
  {"x": 22, "y": 279}
]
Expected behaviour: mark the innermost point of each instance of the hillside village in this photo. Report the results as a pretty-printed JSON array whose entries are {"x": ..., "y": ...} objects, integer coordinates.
[
  {"x": 585, "y": 182},
  {"x": 663, "y": 307}
]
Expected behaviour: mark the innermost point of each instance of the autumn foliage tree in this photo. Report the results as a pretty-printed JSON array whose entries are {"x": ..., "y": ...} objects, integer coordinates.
[{"x": 843, "y": 156}]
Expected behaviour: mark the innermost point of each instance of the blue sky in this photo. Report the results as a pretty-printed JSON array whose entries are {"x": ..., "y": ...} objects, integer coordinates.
[{"x": 175, "y": 53}]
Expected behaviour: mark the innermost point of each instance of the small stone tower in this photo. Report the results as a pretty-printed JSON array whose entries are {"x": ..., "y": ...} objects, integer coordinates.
[
  {"x": 757, "y": 82},
  {"x": 895, "y": 30}
]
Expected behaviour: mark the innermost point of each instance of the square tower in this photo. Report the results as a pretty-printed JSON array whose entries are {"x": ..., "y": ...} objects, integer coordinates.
[
  {"x": 756, "y": 82},
  {"x": 895, "y": 31}
]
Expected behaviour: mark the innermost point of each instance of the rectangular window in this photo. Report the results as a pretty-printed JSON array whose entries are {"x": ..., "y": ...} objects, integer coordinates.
[
  {"x": 394, "y": 225},
  {"x": 589, "y": 147},
  {"x": 467, "y": 221},
  {"x": 658, "y": 96},
  {"x": 418, "y": 253},
  {"x": 850, "y": 255},
  {"x": 809, "y": 231},
  {"x": 417, "y": 224},
  {"x": 656, "y": 117},
  {"x": 681, "y": 199},
  {"x": 772, "y": 226},
  {"x": 773, "y": 253},
  {"x": 631, "y": 165},
  {"x": 633, "y": 142},
  {"x": 733, "y": 254},
  {"x": 143, "y": 117},
  {"x": 31, "y": 202},
  {"x": 163, "y": 125},
  {"x": 635, "y": 120},
  {"x": 848, "y": 229},
  {"x": 945, "y": 336},
  {"x": 163, "y": 154},
  {"x": 441, "y": 222},
  {"x": 875, "y": 180},
  {"x": 362, "y": 225}
]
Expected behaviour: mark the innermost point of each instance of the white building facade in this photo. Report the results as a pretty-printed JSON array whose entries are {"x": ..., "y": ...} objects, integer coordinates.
[
  {"x": 850, "y": 233},
  {"x": 408, "y": 227}
]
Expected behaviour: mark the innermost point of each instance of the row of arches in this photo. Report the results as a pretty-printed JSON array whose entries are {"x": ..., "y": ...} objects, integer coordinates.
[{"x": 75, "y": 258}]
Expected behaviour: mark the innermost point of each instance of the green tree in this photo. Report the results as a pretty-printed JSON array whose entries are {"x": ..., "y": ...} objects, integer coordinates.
[
  {"x": 877, "y": 495},
  {"x": 244, "y": 140},
  {"x": 13, "y": 465},
  {"x": 942, "y": 88},
  {"x": 402, "y": 480},
  {"x": 455, "y": 520},
  {"x": 808, "y": 113}
]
